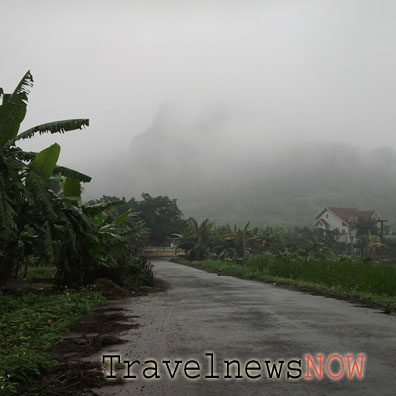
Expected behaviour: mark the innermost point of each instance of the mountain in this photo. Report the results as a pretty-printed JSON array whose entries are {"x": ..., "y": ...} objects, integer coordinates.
[{"x": 232, "y": 174}]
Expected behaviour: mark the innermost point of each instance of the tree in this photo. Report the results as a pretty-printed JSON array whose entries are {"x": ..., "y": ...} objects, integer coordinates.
[{"x": 161, "y": 217}]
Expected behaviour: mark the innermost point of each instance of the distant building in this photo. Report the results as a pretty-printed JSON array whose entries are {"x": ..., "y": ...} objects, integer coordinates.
[{"x": 344, "y": 220}]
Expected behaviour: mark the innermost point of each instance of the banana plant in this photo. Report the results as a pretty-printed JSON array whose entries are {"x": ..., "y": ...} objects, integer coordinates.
[
  {"x": 28, "y": 205},
  {"x": 197, "y": 239}
]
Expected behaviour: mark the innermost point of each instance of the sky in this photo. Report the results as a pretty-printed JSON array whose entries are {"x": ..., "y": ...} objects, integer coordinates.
[{"x": 280, "y": 71}]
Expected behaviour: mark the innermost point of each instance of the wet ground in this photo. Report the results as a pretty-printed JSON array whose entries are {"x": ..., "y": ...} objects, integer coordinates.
[{"x": 203, "y": 313}]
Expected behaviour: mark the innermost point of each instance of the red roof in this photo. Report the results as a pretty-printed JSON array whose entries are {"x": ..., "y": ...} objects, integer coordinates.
[
  {"x": 350, "y": 215},
  {"x": 366, "y": 214}
]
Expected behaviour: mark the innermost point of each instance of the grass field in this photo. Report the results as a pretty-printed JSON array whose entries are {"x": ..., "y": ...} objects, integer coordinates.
[{"x": 346, "y": 278}]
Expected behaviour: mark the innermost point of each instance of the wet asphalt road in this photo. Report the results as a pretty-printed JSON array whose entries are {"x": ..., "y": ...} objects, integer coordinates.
[{"x": 245, "y": 320}]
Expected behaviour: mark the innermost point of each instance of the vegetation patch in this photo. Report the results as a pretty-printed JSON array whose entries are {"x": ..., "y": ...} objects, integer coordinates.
[
  {"x": 30, "y": 325},
  {"x": 70, "y": 375}
]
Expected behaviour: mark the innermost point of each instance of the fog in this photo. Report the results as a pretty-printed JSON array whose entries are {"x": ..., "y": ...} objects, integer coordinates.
[{"x": 257, "y": 111}]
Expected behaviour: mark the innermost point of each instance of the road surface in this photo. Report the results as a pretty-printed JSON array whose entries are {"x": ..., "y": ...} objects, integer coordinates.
[{"x": 203, "y": 313}]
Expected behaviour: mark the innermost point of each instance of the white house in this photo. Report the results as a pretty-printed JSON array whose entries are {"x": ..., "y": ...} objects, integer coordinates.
[{"x": 344, "y": 220}]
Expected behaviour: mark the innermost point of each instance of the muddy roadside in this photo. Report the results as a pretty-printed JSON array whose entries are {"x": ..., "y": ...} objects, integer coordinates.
[{"x": 71, "y": 375}]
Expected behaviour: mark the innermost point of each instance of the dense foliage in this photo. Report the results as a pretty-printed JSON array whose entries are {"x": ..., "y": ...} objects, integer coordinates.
[
  {"x": 198, "y": 239},
  {"x": 160, "y": 215},
  {"x": 42, "y": 217},
  {"x": 205, "y": 240}
]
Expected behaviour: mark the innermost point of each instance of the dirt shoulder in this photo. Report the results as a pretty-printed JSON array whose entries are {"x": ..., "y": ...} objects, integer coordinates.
[{"x": 72, "y": 375}]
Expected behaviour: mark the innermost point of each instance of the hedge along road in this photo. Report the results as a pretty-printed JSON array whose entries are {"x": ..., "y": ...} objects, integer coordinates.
[{"x": 203, "y": 313}]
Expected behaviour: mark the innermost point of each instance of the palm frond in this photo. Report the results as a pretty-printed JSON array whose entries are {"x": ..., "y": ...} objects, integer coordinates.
[
  {"x": 22, "y": 155},
  {"x": 122, "y": 217},
  {"x": 13, "y": 111},
  {"x": 13, "y": 164},
  {"x": 54, "y": 127},
  {"x": 67, "y": 172},
  {"x": 100, "y": 207},
  {"x": 22, "y": 91}
]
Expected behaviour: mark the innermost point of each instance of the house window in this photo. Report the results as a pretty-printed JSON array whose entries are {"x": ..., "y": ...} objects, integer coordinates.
[{"x": 327, "y": 216}]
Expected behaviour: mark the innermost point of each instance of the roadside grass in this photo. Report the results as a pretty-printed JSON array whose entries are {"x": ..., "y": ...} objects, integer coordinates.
[
  {"x": 30, "y": 325},
  {"x": 367, "y": 282}
]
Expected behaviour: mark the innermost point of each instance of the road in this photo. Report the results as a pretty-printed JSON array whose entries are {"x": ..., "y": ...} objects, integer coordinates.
[{"x": 247, "y": 320}]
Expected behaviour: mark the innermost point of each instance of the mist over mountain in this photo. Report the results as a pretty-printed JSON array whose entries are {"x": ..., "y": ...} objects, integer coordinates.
[{"x": 218, "y": 166}]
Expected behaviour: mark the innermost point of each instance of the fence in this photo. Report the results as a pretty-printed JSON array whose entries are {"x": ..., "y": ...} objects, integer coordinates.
[{"x": 161, "y": 251}]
